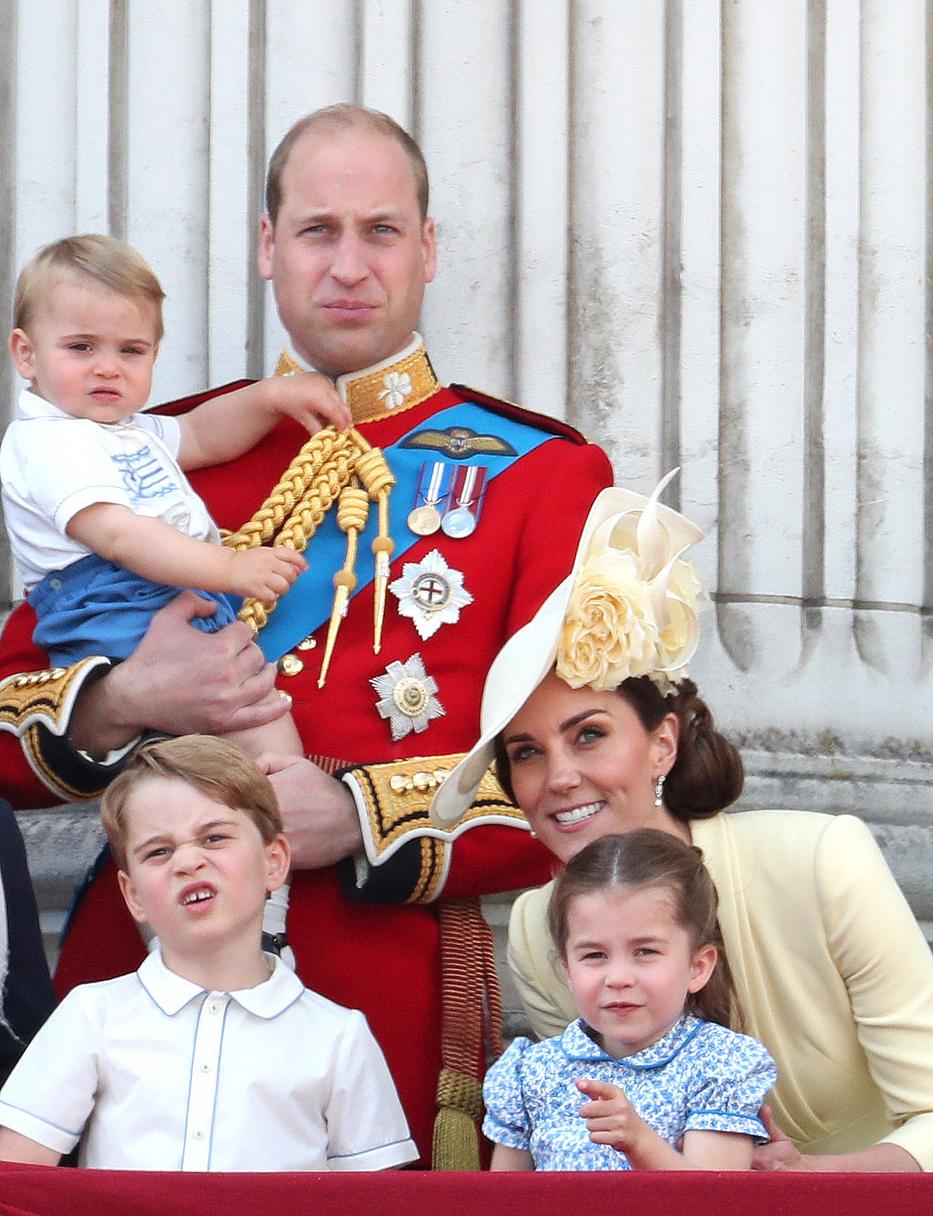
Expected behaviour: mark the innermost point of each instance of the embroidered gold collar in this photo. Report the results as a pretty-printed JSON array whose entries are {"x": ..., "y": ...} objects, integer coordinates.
[{"x": 388, "y": 388}]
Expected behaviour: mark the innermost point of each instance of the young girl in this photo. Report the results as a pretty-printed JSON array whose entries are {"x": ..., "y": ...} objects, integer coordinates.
[{"x": 665, "y": 1083}]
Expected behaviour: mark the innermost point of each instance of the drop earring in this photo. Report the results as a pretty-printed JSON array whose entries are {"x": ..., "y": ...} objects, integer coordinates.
[{"x": 659, "y": 790}]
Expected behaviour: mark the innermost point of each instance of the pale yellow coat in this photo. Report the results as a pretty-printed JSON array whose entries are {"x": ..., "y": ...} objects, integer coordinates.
[{"x": 832, "y": 972}]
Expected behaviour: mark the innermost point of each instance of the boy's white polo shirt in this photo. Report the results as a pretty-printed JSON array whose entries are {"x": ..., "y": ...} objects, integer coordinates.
[
  {"x": 163, "y": 1075},
  {"x": 53, "y": 465}
]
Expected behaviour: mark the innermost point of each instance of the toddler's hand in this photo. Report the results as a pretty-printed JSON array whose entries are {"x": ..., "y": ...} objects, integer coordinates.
[
  {"x": 265, "y": 574},
  {"x": 309, "y": 398},
  {"x": 610, "y": 1117}
]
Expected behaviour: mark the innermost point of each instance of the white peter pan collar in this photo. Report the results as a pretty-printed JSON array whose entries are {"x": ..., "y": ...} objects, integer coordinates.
[{"x": 172, "y": 992}]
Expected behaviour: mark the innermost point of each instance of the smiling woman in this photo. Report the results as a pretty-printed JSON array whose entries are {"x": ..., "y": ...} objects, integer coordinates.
[
  {"x": 581, "y": 767},
  {"x": 597, "y": 730}
]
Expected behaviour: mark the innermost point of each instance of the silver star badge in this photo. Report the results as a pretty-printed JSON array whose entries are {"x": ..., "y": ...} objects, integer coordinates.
[
  {"x": 406, "y": 697},
  {"x": 430, "y": 593}
]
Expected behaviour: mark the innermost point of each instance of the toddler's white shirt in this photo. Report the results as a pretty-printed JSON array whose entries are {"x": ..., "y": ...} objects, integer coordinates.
[{"x": 53, "y": 465}]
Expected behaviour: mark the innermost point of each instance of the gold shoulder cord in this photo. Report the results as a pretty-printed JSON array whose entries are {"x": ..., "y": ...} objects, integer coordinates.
[{"x": 331, "y": 467}]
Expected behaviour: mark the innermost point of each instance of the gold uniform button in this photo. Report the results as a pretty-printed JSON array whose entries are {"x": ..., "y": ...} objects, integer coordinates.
[{"x": 290, "y": 665}]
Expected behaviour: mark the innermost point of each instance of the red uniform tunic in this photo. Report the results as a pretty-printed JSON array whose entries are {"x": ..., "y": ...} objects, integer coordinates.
[{"x": 379, "y": 957}]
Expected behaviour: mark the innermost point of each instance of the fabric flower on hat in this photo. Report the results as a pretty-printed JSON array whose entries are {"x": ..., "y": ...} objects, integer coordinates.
[
  {"x": 609, "y": 631},
  {"x": 633, "y": 608},
  {"x": 684, "y": 597}
]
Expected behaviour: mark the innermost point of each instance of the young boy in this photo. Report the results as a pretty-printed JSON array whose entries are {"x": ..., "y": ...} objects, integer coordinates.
[
  {"x": 212, "y": 1056},
  {"x": 103, "y": 523}
]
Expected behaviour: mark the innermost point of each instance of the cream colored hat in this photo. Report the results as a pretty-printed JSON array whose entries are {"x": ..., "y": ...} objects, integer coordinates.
[{"x": 627, "y": 608}]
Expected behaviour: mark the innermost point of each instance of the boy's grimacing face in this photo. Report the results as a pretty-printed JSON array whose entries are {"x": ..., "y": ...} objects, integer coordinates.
[
  {"x": 89, "y": 351},
  {"x": 196, "y": 870}
]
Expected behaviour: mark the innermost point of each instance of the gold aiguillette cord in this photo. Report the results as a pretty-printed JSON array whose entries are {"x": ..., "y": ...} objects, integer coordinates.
[{"x": 290, "y": 516}]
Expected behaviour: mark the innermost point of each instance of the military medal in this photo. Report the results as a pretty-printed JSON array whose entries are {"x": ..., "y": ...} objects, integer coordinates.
[
  {"x": 407, "y": 697},
  {"x": 425, "y": 519},
  {"x": 430, "y": 593},
  {"x": 461, "y": 521}
]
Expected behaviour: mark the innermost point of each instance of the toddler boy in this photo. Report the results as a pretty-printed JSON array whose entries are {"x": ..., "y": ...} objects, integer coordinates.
[
  {"x": 212, "y": 1056},
  {"x": 103, "y": 523}
]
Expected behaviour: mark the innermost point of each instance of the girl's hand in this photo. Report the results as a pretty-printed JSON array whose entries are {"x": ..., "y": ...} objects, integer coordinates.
[
  {"x": 263, "y": 573},
  {"x": 309, "y": 398},
  {"x": 610, "y": 1117}
]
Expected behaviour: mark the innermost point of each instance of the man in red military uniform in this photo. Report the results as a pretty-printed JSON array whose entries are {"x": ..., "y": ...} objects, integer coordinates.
[{"x": 349, "y": 249}]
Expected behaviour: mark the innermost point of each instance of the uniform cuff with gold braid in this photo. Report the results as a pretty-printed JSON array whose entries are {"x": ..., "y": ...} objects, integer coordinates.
[
  {"x": 37, "y": 707},
  {"x": 392, "y": 800}
]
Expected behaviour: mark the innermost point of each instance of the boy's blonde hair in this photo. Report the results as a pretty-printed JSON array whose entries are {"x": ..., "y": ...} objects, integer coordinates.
[
  {"x": 218, "y": 769},
  {"x": 91, "y": 257}
]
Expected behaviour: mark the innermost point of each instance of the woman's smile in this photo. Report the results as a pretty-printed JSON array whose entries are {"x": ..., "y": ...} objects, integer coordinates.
[{"x": 582, "y": 765}]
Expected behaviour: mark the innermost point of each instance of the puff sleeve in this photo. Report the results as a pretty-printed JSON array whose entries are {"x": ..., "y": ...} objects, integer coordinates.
[
  {"x": 740, "y": 1075},
  {"x": 506, "y": 1120}
]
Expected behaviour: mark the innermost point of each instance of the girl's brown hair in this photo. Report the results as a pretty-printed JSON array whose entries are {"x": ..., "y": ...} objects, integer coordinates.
[{"x": 647, "y": 858}]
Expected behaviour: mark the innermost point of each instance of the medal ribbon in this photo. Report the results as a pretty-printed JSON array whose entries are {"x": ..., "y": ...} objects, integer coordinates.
[
  {"x": 436, "y": 489},
  {"x": 467, "y": 487},
  {"x": 306, "y": 606}
]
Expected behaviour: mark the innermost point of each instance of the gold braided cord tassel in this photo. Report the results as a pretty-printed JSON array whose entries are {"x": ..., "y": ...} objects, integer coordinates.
[
  {"x": 460, "y": 1102},
  {"x": 352, "y": 511},
  {"x": 311, "y": 484},
  {"x": 470, "y": 1019},
  {"x": 311, "y": 466},
  {"x": 379, "y": 480}
]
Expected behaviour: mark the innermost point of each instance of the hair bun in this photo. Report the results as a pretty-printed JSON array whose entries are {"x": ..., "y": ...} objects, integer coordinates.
[{"x": 708, "y": 774}]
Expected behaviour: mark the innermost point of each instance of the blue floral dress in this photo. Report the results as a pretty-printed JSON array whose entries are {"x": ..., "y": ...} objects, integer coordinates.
[{"x": 699, "y": 1076}]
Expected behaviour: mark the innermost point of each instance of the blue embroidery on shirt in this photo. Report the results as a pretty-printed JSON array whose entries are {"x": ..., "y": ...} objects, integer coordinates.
[{"x": 143, "y": 475}]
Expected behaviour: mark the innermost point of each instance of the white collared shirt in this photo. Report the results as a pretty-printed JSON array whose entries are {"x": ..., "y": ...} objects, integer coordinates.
[
  {"x": 53, "y": 465},
  {"x": 160, "y": 1074}
]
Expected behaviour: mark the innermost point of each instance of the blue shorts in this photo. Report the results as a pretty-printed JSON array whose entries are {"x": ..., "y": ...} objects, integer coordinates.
[{"x": 96, "y": 607}]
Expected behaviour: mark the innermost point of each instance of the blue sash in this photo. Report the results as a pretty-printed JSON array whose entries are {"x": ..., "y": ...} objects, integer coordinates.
[{"x": 307, "y": 605}]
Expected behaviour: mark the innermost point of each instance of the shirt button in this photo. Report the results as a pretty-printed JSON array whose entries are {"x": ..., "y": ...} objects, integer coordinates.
[
  {"x": 197, "y": 1134},
  {"x": 212, "y": 1007},
  {"x": 205, "y": 1068}
]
